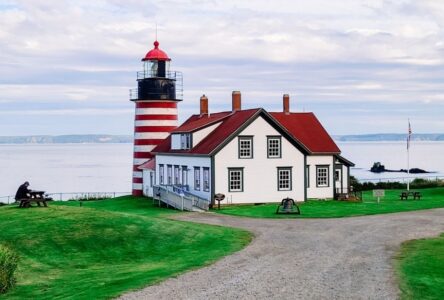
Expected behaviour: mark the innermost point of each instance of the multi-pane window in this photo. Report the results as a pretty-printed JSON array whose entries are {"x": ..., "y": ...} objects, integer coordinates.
[
  {"x": 284, "y": 179},
  {"x": 274, "y": 147},
  {"x": 169, "y": 174},
  {"x": 206, "y": 179},
  {"x": 185, "y": 141},
  {"x": 197, "y": 178},
  {"x": 184, "y": 175},
  {"x": 161, "y": 174},
  {"x": 245, "y": 147},
  {"x": 235, "y": 180},
  {"x": 176, "y": 175},
  {"x": 322, "y": 176}
]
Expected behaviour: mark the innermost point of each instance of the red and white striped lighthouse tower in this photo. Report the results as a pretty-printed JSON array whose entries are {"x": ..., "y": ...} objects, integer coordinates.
[{"x": 159, "y": 90}]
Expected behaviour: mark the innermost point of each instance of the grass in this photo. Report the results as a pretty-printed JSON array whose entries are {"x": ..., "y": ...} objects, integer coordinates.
[
  {"x": 431, "y": 198},
  {"x": 104, "y": 248},
  {"x": 420, "y": 268}
]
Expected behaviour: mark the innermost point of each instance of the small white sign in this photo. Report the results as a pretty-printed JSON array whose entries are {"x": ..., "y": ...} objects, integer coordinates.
[{"x": 378, "y": 193}]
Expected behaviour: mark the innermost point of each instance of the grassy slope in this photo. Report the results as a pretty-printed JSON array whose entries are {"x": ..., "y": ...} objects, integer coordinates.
[
  {"x": 106, "y": 247},
  {"x": 420, "y": 267},
  {"x": 431, "y": 198}
]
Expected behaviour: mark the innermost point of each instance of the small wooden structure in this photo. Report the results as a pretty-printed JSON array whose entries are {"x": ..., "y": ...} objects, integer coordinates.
[
  {"x": 219, "y": 197},
  {"x": 288, "y": 206}
]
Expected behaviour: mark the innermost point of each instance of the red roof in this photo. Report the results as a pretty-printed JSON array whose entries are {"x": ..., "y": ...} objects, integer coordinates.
[
  {"x": 149, "y": 165},
  {"x": 303, "y": 128},
  {"x": 307, "y": 129},
  {"x": 156, "y": 54},
  {"x": 230, "y": 122},
  {"x": 196, "y": 122}
]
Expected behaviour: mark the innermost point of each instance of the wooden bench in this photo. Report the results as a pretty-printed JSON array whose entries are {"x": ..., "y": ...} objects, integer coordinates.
[{"x": 406, "y": 195}]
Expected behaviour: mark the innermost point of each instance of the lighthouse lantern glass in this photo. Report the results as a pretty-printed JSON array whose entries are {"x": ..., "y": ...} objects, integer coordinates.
[{"x": 156, "y": 68}]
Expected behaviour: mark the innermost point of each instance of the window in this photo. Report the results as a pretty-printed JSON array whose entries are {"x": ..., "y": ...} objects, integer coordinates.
[
  {"x": 235, "y": 180},
  {"x": 184, "y": 175},
  {"x": 245, "y": 147},
  {"x": 161, "y": 174},
  {"x": 284, "y": 179},
  {"x": 197, "y": 178},
  {"x": 176, "y": 175},
  {"x": 169, "y": 174},
  {"x": 274, "y": 147},
  {"x": 337, "y": 175},
  {"x": 322, "y": 176},
  {"x": 307, "y": 174},
  {"x": 206, "y": 179},
  {"x": 185, "y": 141}
]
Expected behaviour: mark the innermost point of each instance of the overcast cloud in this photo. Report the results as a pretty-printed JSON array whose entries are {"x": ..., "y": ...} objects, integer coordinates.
[{"x": 361, "y": 66}]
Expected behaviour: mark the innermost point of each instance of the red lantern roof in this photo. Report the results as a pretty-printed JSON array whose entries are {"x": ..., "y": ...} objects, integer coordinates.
[{"x": 156, "y": 54}]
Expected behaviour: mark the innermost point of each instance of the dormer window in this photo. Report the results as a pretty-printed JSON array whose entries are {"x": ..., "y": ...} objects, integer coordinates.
[
  {"x": 185, "y": 141},
  {"x": 181, "y": 141}
]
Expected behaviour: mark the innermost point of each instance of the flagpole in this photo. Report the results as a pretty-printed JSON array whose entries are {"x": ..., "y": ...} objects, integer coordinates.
[{"x": 408, "y": 155}]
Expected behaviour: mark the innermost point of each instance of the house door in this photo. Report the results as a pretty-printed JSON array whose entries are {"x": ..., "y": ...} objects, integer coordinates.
[{"x": 338, "y": 181}]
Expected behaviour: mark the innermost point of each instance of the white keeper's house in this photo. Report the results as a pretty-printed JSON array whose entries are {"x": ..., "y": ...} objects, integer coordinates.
[{"x": 249, "y": 155}]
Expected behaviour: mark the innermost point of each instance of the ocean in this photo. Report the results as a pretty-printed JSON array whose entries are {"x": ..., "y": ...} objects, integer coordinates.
[{"x": 69, "y": 168}]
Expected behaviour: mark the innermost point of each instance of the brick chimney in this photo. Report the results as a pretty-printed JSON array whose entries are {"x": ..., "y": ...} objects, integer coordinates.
[
  {"x": 286, "y": 100},
  {"x": 203, "y": 105},
  {"x": 236, "y": 101}
]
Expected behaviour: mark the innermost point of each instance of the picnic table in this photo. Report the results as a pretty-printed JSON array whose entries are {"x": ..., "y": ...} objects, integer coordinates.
[
  {"x": 36, "y": 197},
  {"x": 406, "y": 194}
]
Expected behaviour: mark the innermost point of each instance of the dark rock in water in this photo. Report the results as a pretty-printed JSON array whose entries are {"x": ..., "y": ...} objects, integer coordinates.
[{"x": 379, "y": 168}]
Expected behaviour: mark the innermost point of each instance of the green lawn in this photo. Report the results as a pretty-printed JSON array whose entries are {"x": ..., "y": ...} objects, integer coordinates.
[
  {"x": 104, "y": 248},
  {"x": 431, "y": 198},
  {"x": 420, "y": 267}
]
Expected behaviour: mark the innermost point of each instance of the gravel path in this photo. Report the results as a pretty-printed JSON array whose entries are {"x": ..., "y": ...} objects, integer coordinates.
[{"x": 348, "y": 258}]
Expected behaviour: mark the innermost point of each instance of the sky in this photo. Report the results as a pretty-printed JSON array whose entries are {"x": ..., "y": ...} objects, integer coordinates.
[{"x": 66, "y": 67}]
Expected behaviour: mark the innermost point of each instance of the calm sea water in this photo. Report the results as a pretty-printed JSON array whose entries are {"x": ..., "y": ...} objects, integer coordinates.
[
  {"x": 64, "y": 168},
  {"x": 424, "y": 155}
]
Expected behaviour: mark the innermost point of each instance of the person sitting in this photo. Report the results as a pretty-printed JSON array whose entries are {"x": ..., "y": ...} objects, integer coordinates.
[{"x": 22, "y": 192}]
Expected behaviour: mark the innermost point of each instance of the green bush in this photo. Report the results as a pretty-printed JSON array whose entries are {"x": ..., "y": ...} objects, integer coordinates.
[{"x": 8, "y": 265}]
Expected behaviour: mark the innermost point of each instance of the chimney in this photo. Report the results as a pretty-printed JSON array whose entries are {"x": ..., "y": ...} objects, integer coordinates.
[
  {"x": 203, "y": 105},
  {"x": 286, "y": 100},
  {"x": 236, "y": 103}
]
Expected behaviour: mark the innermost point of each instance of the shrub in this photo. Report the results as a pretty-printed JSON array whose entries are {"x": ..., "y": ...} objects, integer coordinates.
[{"x": 8, "y": 265}]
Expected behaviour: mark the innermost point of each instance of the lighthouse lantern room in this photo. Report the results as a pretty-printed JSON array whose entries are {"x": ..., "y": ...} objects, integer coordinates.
[{"x": 159, "y": 90}]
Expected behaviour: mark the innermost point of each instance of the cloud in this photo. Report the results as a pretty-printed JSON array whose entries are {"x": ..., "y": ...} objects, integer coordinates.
[{"x": 83, "y": 55}]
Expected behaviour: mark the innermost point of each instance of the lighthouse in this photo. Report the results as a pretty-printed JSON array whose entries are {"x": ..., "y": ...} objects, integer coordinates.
[{"x": 159, "y": 90}]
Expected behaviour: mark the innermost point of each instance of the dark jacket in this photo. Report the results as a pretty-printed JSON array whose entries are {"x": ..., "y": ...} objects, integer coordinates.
[{"x": 22, "y": 192}]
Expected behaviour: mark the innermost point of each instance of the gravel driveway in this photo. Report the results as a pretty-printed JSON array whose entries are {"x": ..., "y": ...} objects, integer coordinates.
[{"x": 348, "y": 258}]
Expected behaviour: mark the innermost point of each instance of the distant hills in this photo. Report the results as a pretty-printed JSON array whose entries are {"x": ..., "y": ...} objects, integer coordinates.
[
  {"x": 380, "y": 137},
  {"x": 64, "y": 139},
  {"x": 108, "y": 138}
]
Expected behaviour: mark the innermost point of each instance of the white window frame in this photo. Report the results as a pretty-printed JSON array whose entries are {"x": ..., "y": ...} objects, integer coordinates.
[
  {"x": 176, "y": 175},
  {"x": 271, "y": 139},
  {"x": 284, "y": 182},
  {"x": 322, "y": 176},
  {"x": 245, "y": 143},
  {"x": 169, "y": 174},
  {"x": 161, "y": 174},
  {"x": 197, "y": 178},
  {"x": 206, "y": 179},
  {"x": 185, "y": 175},
  {"x": 185, "y": 141},
  {"x": 239, "y": 182}
]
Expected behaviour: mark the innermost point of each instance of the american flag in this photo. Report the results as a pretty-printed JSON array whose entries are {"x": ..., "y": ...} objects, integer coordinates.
[{"x": 409, "y": 136}]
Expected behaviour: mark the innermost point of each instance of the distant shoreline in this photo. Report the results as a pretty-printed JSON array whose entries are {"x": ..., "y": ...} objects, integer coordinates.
[{"x": 124, "y": 139}]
